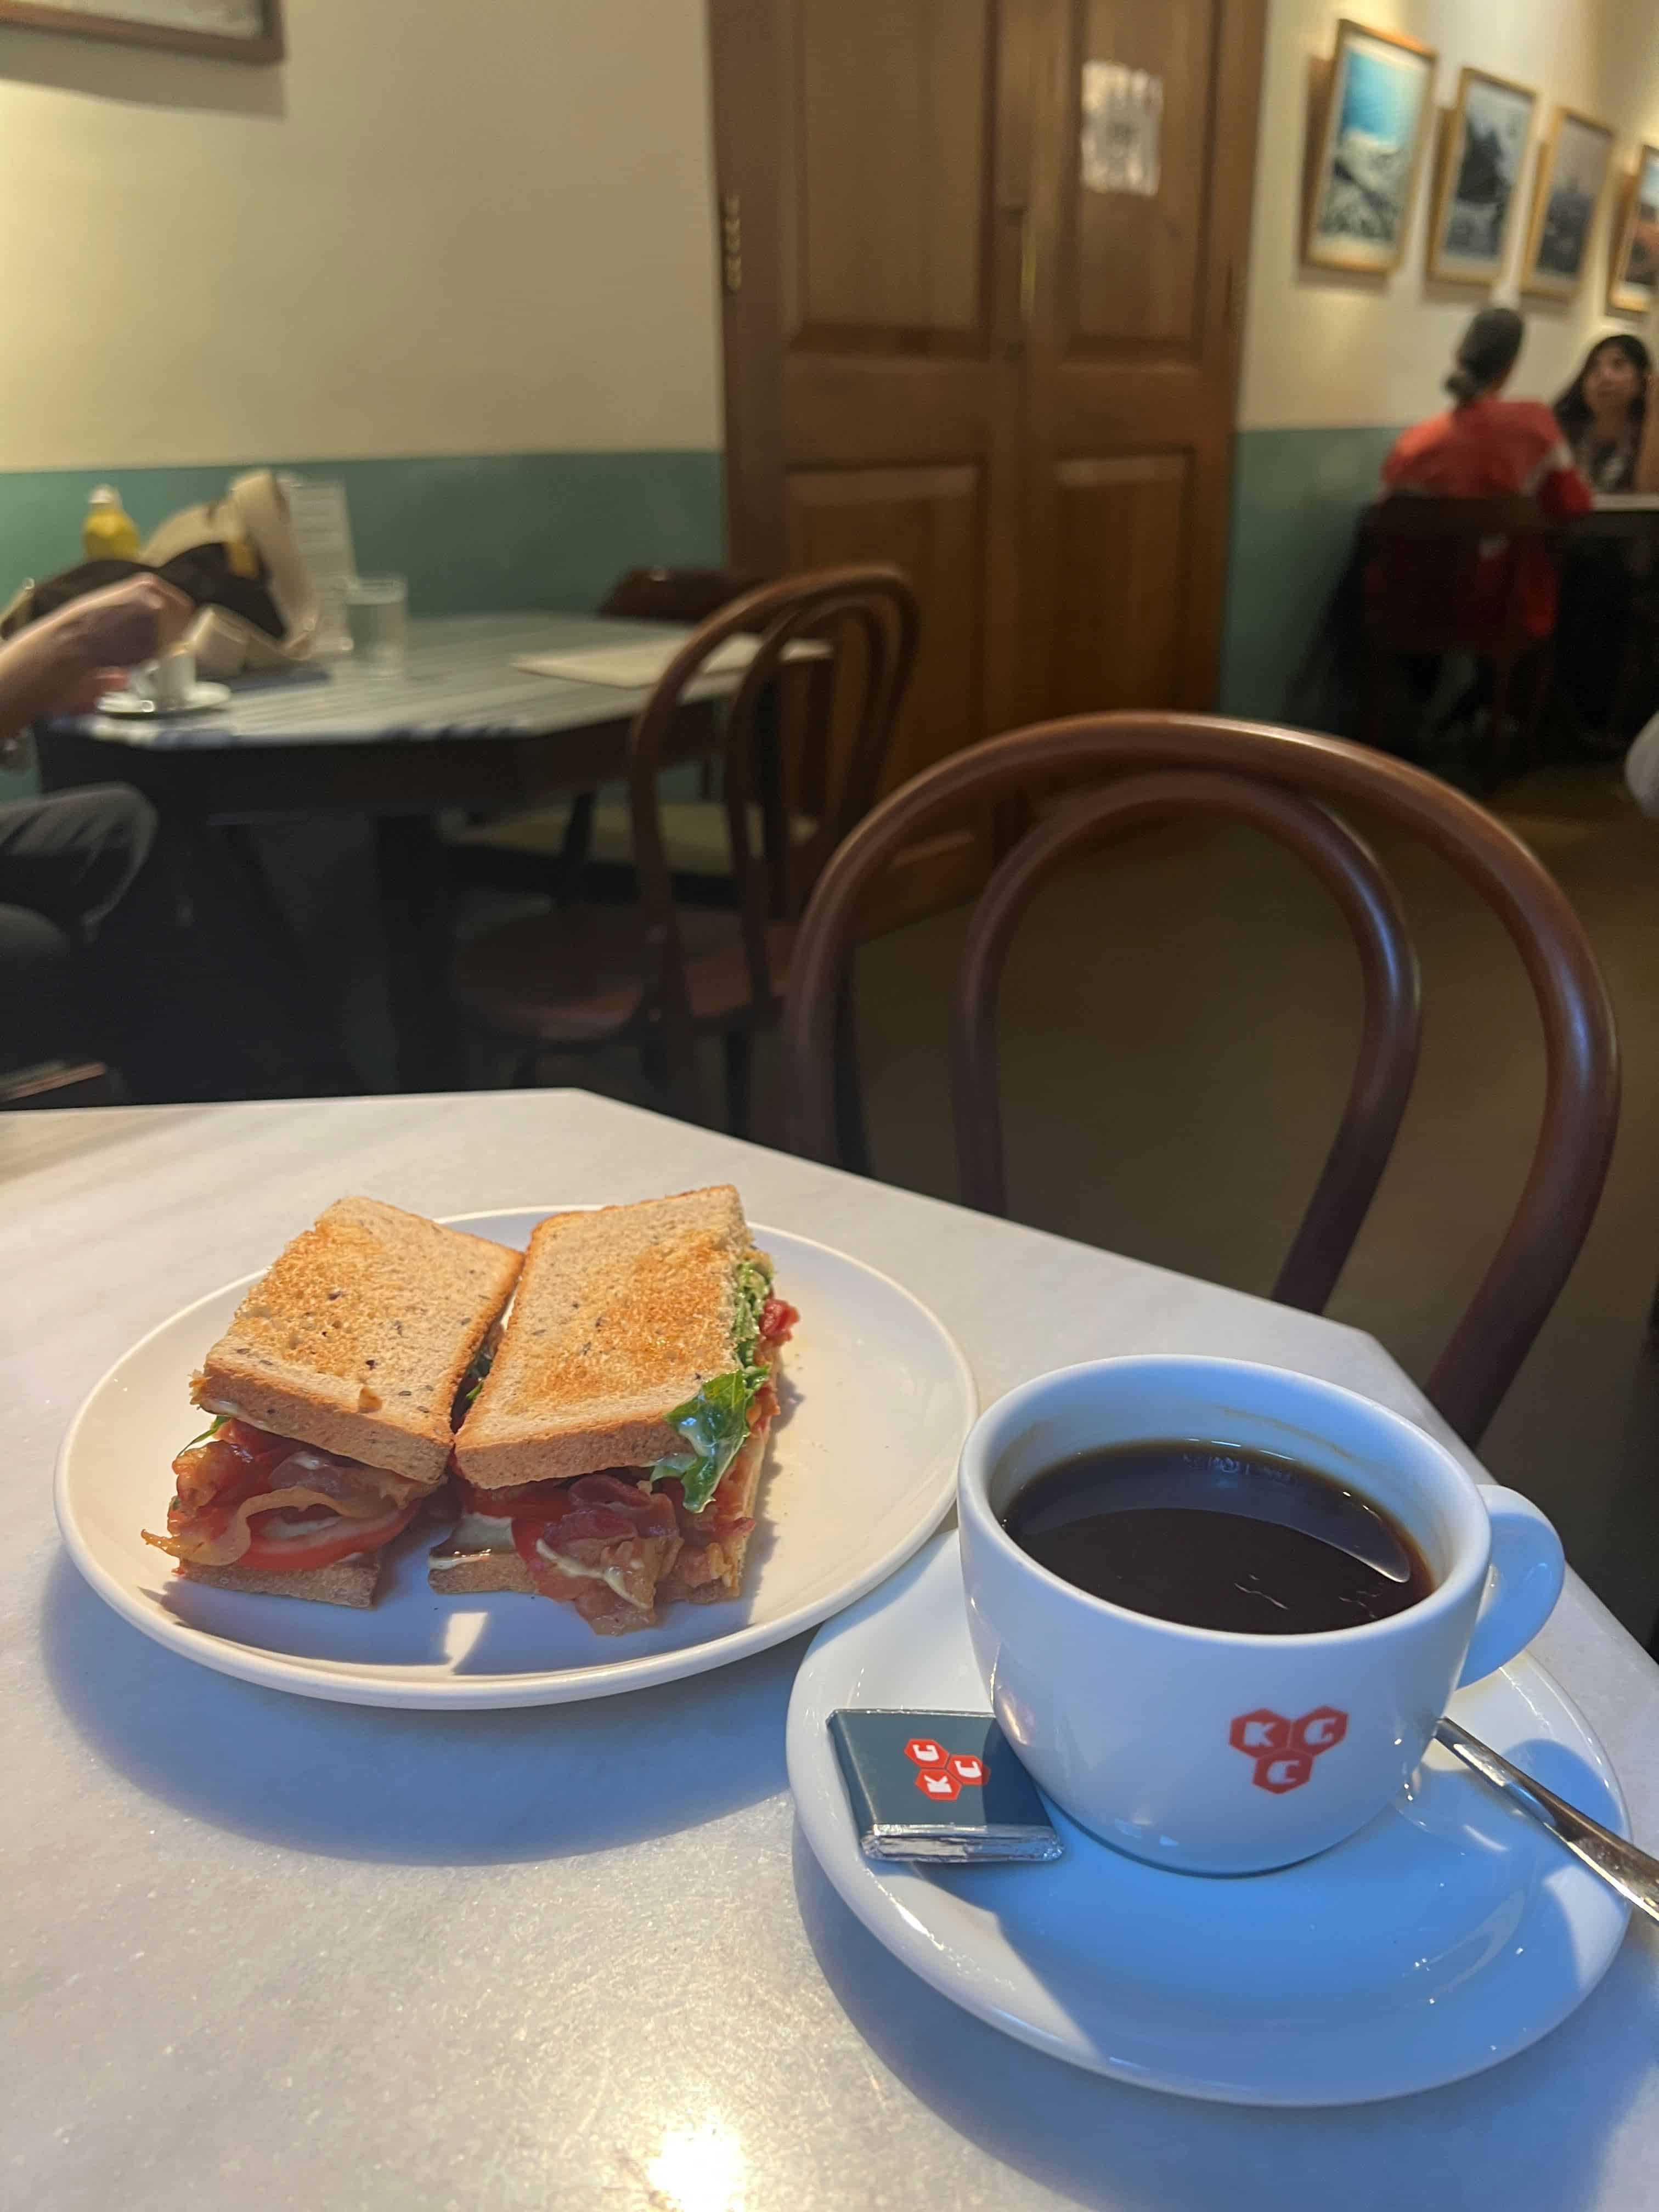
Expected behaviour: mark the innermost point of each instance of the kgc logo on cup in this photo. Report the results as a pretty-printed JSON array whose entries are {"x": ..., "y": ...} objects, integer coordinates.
[{"x": 1284, "y": 1751}]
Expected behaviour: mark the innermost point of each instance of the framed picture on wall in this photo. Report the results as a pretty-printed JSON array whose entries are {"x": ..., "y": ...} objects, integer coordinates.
[
  {"x": 1566, "y": 194},
  {"x": 234, "y": 30},
  {"x": 1371, "y": 138},
  {"x": 1633, "y": 281},
  {"x": 1487, "y": 134}
]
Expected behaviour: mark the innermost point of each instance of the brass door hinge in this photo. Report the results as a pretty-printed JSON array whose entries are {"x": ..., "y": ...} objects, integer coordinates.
[{"x": 732, "y": 242}]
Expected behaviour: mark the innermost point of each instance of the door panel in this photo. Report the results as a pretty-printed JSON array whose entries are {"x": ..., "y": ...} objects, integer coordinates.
[
  {"x": 1132, "y": 256},
  {"x": 930, "y": 520},
  {"x": 953, "y": 342},
  {"x": 892, "y": 172},
  {"x": 1122, "y": 528},
  {"x": 1133, "y": 355}
]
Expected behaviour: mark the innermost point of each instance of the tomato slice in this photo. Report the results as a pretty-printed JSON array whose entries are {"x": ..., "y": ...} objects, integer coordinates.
[{"x": 333, "y": 1538}]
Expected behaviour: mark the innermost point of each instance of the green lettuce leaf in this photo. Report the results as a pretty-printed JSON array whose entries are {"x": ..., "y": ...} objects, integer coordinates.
[
  {"x": 754, "y": 1288},
  {"x": 715, "y": 1424},
  {"x": 211, "y": 1430}
]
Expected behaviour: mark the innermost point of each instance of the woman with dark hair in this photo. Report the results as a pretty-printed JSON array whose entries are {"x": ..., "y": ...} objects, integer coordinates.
[
  {"x": 1609, "y": 417},
  {"x": 1606, "y": 418}
]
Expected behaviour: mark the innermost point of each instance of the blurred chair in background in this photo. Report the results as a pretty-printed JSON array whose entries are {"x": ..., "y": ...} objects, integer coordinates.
[{"x": 660, "y": 976}]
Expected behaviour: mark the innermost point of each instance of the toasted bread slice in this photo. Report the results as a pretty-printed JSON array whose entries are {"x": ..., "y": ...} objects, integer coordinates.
[
  {"x": 621, "y": 1316},
  {"x": 358, "y": 1337},
  {"x": 354, "y": 1581}
]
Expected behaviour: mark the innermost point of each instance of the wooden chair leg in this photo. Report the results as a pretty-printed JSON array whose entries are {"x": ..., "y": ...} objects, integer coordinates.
[
  {"x": 852, "y": 1134},
  {"x": 1374, "y": 721},
  {"x": 737, "y": 1047},
  {"x": 1542, "y": 680},
  {"x": 1500, "y": 751}
]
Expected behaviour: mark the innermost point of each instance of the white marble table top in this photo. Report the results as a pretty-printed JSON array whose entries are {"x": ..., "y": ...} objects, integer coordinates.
[
  {"x": 262, "y": 1952},
  {"x": 460, "y": 681}
]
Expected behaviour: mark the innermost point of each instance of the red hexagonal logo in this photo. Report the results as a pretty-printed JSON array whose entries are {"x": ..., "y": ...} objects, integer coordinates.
[
  {"x": 1319, "y": 1730},
  {"x": 1282, "y": 1751},
  {"x": 968, "y": 1769},
  {"x": 1259, "y": 1732},
  {"x": 937, "y": 1782},
  {"x": 924, "y": 1751}
]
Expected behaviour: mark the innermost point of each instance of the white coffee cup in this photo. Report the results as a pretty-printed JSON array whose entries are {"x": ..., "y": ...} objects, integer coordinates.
[
  {"x": 169, "y": 681},
  {"x": 1203, "y": 1749}
]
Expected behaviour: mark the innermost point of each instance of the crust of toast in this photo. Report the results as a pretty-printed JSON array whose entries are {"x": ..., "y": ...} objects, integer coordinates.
[
  {"x": 506, "y": 1571},
  {"x": 621, "y": 1315},
  {"x": 353, "y": 1581},
  {"x": 358, "y": 1337}
]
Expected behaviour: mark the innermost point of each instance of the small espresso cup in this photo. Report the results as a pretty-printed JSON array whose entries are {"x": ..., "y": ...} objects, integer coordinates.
[
  {"x": 169, "y": 681},
  {"x": 1205, "y": 1750}
]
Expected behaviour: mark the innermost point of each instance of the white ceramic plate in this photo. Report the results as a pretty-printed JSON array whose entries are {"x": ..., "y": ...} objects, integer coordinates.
[
  {"x": 1449, "y": 1934},
  {"x": 877, "y": 1399},
  {"x": 134, "y": 705}
]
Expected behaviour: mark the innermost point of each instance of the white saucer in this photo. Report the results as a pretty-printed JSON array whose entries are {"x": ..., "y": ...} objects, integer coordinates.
[
  {"x": 1449, "y": 1934},
  {"x": 860, "y": 1469},
  {"x": 134, "y": 705}
]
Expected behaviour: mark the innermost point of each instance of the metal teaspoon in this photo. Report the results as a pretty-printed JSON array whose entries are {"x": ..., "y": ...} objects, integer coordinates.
[{"x": 1620, "y": 1865}]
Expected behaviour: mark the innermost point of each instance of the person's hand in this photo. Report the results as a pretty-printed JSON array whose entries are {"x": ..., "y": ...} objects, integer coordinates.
[
  {"x": 63, "y": 664},
  {"x": 118, "y": 627}
]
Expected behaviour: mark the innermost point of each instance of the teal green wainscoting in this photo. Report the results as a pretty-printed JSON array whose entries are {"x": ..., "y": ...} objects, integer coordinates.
[
  {"x": 1296, "y": 494},
  {"x": 473, "y": 532}
]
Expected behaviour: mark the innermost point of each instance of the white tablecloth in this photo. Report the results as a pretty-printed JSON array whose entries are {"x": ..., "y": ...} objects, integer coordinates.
[{"x": 264, "y": 1952}]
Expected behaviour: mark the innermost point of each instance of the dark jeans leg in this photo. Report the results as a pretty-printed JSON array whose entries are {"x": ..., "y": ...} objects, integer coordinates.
[
  {"x": 44, "y": 1014},
  {"x": 72, "y": 856},
  {"x": 65, "y": 862}
]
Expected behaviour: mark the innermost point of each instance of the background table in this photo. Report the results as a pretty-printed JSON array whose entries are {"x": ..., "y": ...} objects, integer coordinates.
[
  {"x": 262, "y": 1952},
  {"x": 460, "y": 728}
]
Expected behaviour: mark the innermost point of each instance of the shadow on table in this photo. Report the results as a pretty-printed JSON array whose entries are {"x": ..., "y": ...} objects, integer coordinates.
[
  {"x": 362, "y": 1781},
  {"x": 1527, "y": 2135}
]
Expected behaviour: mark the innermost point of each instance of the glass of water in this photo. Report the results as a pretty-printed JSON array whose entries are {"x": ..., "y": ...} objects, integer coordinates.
[{"x": 377, "y": 619}]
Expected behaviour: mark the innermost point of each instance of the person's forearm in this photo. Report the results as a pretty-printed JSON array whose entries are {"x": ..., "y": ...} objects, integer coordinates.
[{"x": 37, "y": 667}]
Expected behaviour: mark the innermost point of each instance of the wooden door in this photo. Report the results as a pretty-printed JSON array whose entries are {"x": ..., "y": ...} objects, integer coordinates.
[
  {"x": 946, "y": 345},
  {"x": 1136, "y": 296}
]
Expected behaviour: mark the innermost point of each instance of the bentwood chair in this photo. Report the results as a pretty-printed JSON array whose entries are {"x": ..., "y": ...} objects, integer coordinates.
[
  {"x": 534, "y": 848},
  {"x": 1142, "y": 768},
  {"x": 658, "y": 975},
  {"x": 1450, "y": 576}
]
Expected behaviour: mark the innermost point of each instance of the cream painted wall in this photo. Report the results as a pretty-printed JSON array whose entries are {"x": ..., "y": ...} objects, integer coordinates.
[
  {"x": 442, "y": 227},
  {"x": 1322, "y": 349}
]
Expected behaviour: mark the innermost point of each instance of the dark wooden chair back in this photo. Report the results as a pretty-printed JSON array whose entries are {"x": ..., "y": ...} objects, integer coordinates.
[
  {"x": 676, "y": 595},
  {"x": 1141, "y": 767},
  {"x": 851, "y": 634},
  {"x": 1426, "y": 555}
]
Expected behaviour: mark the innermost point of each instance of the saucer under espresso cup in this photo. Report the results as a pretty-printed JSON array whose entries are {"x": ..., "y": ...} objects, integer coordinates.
[{"x": 1211, "y": 1751}]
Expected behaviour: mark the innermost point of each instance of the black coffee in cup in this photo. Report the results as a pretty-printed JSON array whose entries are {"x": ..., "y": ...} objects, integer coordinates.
[{"x": 1215, "y": 1537}]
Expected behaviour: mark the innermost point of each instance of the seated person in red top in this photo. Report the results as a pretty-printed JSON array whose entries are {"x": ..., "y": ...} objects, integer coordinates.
[{"x": 1485, "y": 447}]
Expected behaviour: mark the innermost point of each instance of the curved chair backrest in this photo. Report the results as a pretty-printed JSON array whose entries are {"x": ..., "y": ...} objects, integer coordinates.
[
  {"x": 806, "y": 623},
  {"x": 1140, "y": 767},
  {"x": 1445, "y": 574}
]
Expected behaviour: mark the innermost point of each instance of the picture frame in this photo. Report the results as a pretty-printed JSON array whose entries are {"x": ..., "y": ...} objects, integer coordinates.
[
  {"x": 1370, "y": 133},
  {"x": 1483, "y": 155},
  {"x": 226, "y": 30},
  {"x": 1633, "y": 273},
  {"x": 1569, "y": 184}
]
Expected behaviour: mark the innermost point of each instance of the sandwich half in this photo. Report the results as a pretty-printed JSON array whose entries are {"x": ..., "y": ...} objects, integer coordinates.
[
  {"x": 333, "y": 1394},
  {"x": 612, "y": 1458}
]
